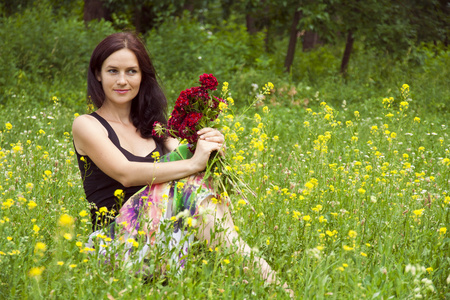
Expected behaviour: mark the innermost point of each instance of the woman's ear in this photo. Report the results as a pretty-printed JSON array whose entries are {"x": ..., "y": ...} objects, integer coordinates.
[{"x": 98, "y": 76}]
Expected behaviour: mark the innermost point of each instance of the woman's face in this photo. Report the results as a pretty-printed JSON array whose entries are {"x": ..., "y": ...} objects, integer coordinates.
[{"x": 120, "y": 77}]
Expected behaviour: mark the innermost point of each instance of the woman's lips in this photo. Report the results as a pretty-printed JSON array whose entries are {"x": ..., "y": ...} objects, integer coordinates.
[{"x": 121, "y": 91}]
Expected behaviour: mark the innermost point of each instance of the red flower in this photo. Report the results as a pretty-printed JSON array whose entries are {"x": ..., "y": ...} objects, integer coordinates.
[
  {"x": 193, "y": 118},
  {"x": 194, "y": 109},
  {"x": 209, "y": 82}
]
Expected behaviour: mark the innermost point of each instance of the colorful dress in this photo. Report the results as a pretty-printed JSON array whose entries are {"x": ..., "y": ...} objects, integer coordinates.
[{"x": 159, "y": 215}]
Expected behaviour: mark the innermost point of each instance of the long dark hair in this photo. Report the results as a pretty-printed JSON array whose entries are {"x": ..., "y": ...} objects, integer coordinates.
[{"x": 150, "y": 103}]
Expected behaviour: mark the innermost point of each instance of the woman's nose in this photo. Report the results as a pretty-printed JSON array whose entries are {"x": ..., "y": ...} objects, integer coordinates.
[{"x": 121, "y": 79}]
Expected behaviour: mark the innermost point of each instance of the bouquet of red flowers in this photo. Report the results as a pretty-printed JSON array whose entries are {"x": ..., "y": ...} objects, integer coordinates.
[{"x": 194, "y": 109}]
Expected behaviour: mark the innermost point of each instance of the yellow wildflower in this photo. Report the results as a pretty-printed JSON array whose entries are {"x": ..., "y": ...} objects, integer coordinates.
[
  {"x": 418, "y": 212},
  {"x": 242, "y": 202},
  {"x": 65, "y": 220},
  {"x": 40, "y": 247},
  {"x": 36, "y": 271},
  {"x": 83, "y": 213},
  {"x": 225, "y": 87},
  {"x": 223, "y": 106},
  {"x": 31, "y": 204}
]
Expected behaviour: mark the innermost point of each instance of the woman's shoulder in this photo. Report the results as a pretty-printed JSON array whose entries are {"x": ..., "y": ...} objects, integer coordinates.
[
  {"x": 86, "y": 130},
  {"x": 85, "y": 121}
]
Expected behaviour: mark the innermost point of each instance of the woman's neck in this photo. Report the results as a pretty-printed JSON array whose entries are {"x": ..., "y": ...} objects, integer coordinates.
[{"x": 115, "y": 114}]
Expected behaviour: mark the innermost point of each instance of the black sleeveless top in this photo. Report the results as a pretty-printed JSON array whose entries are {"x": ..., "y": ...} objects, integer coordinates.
[{"x": 100, "y": 188}]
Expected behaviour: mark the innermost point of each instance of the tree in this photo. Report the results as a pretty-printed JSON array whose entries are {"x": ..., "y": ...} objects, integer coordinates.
[
  {"x": 292, "y": 40},
  {"x": 145, "y": 15},
  {"x": 310, "y": 40},
  {"x": 95, "y": 10}
]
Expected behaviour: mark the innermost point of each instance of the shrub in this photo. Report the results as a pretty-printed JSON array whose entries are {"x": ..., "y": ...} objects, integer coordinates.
[{"x": 44, "y": 55}]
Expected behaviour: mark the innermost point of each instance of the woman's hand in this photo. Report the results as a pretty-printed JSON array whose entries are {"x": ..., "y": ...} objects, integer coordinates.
[
  {"x": 202, "y": 153},
  {"x": 211, "y": 135}
]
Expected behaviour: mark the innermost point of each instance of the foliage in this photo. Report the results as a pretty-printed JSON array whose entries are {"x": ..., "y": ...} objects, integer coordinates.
[
  {"x": 195, "y": 48},
  {"x": 348, "y": 205},
  {"x": 45, "y": 55},
  {"x": 38, "y": 66}
]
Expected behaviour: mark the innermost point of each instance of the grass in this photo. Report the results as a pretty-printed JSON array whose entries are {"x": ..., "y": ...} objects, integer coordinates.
[{"x": 348, "y": 205}]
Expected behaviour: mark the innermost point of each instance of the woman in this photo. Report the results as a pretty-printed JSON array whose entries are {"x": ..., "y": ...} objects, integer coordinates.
[{"x": 117, "y": 154}]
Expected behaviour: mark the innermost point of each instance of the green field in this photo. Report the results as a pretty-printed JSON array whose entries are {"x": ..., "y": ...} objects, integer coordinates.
[
  {"x": 345, "y": 207},
  {"x": 351, "y": 176}
]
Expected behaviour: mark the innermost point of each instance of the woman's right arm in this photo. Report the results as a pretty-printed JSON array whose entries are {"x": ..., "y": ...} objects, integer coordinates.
[{"x": 91, "y": 139}]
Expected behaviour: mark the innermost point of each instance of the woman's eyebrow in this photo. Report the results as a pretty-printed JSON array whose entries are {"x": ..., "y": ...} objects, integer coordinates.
[{"x": 130, "y": 67}]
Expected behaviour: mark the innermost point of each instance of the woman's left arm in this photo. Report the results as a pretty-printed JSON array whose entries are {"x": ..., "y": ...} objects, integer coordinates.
[
  {"x": 170, "y": 144},
  {"x": 207, "y": 134}
]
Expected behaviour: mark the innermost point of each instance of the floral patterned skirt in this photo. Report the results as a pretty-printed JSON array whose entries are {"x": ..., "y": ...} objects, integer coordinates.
[{"x": 159, "y": 215}]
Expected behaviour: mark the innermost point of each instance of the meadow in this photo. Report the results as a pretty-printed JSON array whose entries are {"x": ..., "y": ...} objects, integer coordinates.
[
  {"x": 349, "y": 175},
  {"x": 346, "y": 205}
]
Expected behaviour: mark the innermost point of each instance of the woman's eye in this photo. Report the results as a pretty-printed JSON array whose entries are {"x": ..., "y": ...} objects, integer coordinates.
[
  {"x": 112, "y": 71},
  {"x": 132, "y": 71}
]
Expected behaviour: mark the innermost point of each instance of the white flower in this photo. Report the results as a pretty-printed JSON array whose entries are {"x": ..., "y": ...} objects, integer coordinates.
[{"x": 407, "y": 268}]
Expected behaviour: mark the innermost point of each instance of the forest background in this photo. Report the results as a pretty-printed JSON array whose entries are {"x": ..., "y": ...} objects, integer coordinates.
[{"x": 350, "y": 161}]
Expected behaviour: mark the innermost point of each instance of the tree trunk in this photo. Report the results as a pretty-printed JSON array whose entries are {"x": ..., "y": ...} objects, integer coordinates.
[
  {"x": 95, "y": 10},
  {"x": 226, "y": 8},
  {"x": 138, "y": 19},
  {"x": 189, "y": 5},
  {"x": 267, "y": 42},
  {"x": 292, "y": 41},
  {"x": 444, "y": 6},
  {"x": 310, "y": 40},
  {"x": 347, "y": 52},
  {"x": 250, "y": 21}
]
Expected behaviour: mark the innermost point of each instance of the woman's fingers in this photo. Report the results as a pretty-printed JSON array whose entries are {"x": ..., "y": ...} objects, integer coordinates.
[
  {"x": 208, "y": 147},
  {"x": 205, "y": 130},
  {"x": 203, "y": 152},
  {"x": 211, "y": 135}
]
